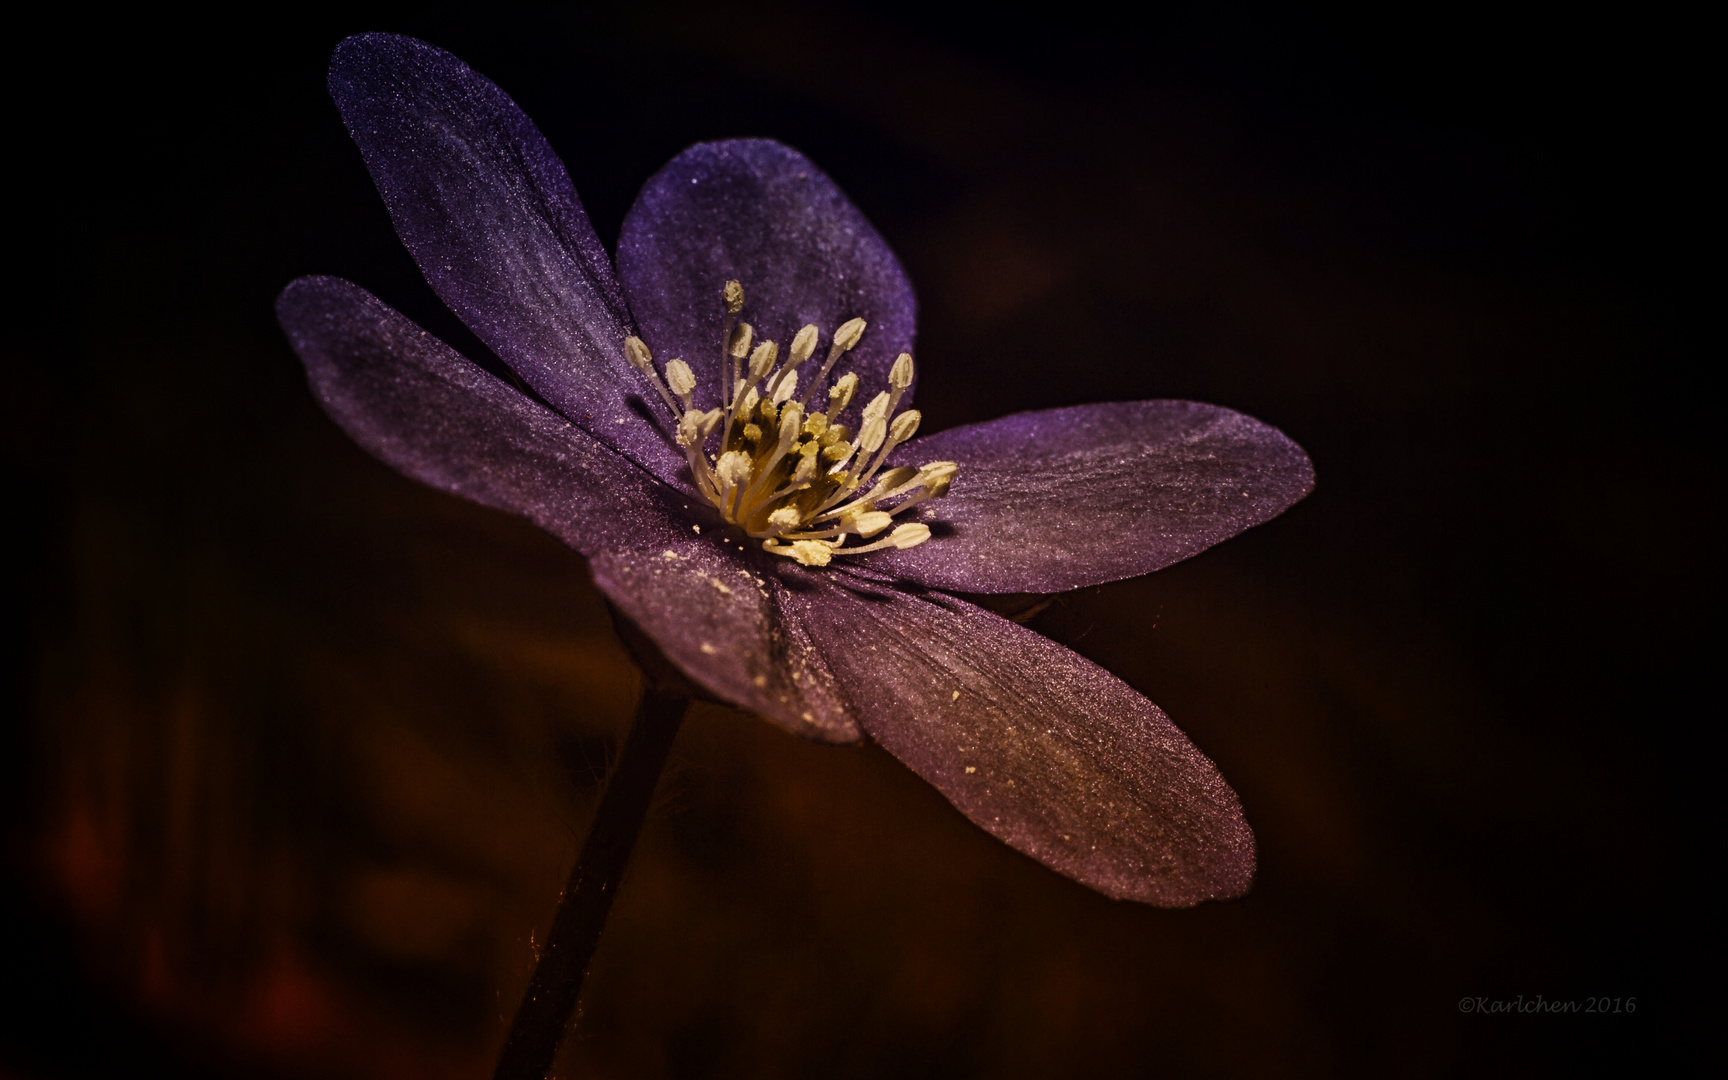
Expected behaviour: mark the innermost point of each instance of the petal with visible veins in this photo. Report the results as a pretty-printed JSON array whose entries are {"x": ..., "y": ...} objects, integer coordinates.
[
  {"x": 757, "y": 212},
  {"x": 489, "y": 213},
  {"x": 1064, "y": 498},
  {"x": 1042, "y": 748},
  {"x": 715, "y": 613}
]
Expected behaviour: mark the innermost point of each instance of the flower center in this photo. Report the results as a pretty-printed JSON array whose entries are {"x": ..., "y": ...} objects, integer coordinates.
[{"x": 786, "y": 475}]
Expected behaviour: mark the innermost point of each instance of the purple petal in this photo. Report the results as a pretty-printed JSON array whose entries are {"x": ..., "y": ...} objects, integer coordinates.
[
  {"x": 1056, "y": 500},
  {"x": 418, "y": 406},
  {"x": 715, "y": 611},
  {"x": 1042, "y": 748},
  {"x": 415, "y": 404},
  {"x": 757, "y": 212},
  {"x": 488, "y": 211}
]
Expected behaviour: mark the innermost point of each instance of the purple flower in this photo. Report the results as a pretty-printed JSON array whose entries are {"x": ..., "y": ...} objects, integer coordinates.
[{"x": 792, "y": 548}]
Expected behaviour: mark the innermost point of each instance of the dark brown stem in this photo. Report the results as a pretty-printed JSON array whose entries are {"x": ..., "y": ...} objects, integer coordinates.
[{"x": 547, "y": 1006}]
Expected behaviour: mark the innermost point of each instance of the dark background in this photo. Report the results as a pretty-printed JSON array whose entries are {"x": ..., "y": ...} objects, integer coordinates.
[{"x": 297, "y": 753}]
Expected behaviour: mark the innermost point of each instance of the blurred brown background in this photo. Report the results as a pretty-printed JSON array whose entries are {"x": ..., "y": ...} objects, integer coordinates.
[{"x": 297, "y": 753}]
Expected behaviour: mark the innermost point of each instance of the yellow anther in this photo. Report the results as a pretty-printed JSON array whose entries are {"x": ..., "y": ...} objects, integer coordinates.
[
  {"x": 741, "y": 335},
  {"x": 936, "y": 476},
  {"x": 733, "y": 297},
  {"x": 752, "y": 433},
  {"x": 869, "y": 523},
  {"x": 733, "y": 468},
  {"x": 835, "y": 433},
  {"x": 690, "y": 429},
  {"x": 837, "y": 452},
  {"x": 840, "y": 395},
  {"x": 877, "y": 409},
  {"x": 905, "y": 425},
  {"x": 680, "y": 378},
  {"x": 636, "y": 351},
  {"x": 816, "y": 424},
  {"x": 804, "y": 343},
  {"x": 939, "y": 470},
  {"x": 811, "y": 552},
  {"x": 900, "y": 375},
  {"x": 909, "y": 535},
  {"x": 875, "y": 429},
  {"x": 848, "y": 334},
  {"x": 762, "y": 360}
]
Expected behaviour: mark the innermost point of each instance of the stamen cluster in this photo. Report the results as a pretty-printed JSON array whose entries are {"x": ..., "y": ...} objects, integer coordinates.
[{"x": 786, "y": 475}]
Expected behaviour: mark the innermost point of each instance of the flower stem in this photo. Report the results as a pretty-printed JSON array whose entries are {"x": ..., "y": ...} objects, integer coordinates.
[{"x": 550, "y": 1000}]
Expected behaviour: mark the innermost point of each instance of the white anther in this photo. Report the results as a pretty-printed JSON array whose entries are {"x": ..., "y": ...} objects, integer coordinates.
[
  {"x": 868, "y": 523},
  {"x": 786, "y": 387},
  {"x": 636, "y": 351},
  {"x": 909, "y": 535},
  {"x": 791, "y": 423},
  {"x": 751, "y": 397},
  {"x": 695, "y": 427},
  {"x": 900, "y": 375},
  {"x": 841, "y": 395},
  {"x": 732, "y": 295},
  {"x": 877, "y": 409},
  {"x": 741, "y": 335},
  {"x": 690, "y": 431},
  {"x": 680, "y": 378},
  {"x": 904, "y": 425},
  {"x": 804, "y": 343},
  {"x": 938, "y": 470},
  {"x": 875, "y": 429},
  {"x": 848, "y": 334},
  {"x": 806, "y": 469},
  {"x": 784, "y": 519},
  {"x": 762, "y": 360},
  {"x": 734, "y": 468},
  {"x": 808, "y": 552}
]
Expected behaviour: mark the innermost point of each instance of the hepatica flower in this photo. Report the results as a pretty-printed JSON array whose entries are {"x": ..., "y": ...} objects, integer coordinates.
[{"x": 722, "y": 426}]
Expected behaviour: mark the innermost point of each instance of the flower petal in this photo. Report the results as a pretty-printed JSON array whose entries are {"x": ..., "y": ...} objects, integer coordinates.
[
  {"x": 757, "y": 212},
  {"x": 1060, "y": 499},
  {"x": 1042, "y": 748},
  {"x": 415, "y": 404},
  {"x": 488, "y": 211},
  {"x": 715, "y": 612},
  {"x": 418, "y": 406}
]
